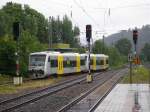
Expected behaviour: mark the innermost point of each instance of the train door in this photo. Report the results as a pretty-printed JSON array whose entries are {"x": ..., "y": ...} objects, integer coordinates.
[
  {"x": 60, "y": 69},
  {"x": 94, "y": 62},
  {"x": 78, "y": 63}
]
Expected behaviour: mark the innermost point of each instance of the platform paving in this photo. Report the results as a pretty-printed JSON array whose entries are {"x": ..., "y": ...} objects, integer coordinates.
[{"x": 127, "y": 98}]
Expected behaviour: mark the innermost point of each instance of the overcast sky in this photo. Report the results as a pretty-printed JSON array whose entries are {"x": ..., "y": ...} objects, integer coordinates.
[{"x": 107, "y": 16}]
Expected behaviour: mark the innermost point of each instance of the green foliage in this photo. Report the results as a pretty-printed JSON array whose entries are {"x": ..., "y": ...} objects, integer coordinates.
[
  {"x": 27, "y": 44},
  {"x": 115, "y": 58},
  {"x": 63, "y": 31},
  {"x": 124, "y": 46},
  {"x": 99, "y": 47},
  {"x": 140, "y": 75},
  {"x": 146, "y": 52},
  {"x": 34, "y": 35},
  {"x": 7, "y": 55}
]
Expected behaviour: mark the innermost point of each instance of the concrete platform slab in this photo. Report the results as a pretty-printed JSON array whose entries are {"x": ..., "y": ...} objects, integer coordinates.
[{"x": 127, "y": 98}]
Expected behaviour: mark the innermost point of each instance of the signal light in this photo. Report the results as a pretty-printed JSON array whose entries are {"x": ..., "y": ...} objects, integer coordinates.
[
  {"x": 135, "y": 36},
  {"x": 16, "y": 30},
  {"x": 88, "y": 32}
]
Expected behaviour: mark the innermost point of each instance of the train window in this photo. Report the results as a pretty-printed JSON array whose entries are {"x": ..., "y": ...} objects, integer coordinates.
[
  {"x": 48, "y": 59},
  {"x": 37, "y": 60},
  {"x": 67, "y": 63},
  {"x": 82, "y": 62},
  {"x": 101, "y": 62},
  {"x": 98, "y": 62},
  {"x": 73, "y": 63},
  {"x": 54, "y": 63},
  {"x": 107, "y": 61}
]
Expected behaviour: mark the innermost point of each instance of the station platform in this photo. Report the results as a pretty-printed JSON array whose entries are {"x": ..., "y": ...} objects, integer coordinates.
[{"x": 127, "y": 98}]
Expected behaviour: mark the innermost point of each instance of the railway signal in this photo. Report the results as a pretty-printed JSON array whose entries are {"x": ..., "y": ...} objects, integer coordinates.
[
  {"x": 135, "y": 36},
  {"x": 16, "y": 30},
  {"x": 88, "y": 37},
  {"x": 16, "y": 34},
  {"x": 88, "y": 32}
]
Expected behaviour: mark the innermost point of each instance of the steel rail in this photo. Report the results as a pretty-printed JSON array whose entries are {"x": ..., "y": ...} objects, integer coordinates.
[
  {"x": 104, "y": 96},
  {"x": 52, "y": 90},
  {"x": 37, "y": 91},
  {"x": 76, "y": 100}
]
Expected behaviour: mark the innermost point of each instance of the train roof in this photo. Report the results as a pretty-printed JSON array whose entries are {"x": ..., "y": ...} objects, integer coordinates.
[
  {"x": 70, "y": 54},
  {"x": 95, "y": 54},
  {"x": 66, "y": 54},
  {"x": 44, "y": 52}
]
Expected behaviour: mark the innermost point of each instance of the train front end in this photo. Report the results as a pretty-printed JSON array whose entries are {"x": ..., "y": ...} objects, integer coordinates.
[{"x": 37, "y": 65}]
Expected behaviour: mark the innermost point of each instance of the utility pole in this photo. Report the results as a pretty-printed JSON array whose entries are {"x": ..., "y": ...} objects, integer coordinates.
[
  {"x": 130, "y": 57},
  {"x": 50, "y": 32},
  {"x": 103, "y": 45},
  {"x": 88, "y": 37}
]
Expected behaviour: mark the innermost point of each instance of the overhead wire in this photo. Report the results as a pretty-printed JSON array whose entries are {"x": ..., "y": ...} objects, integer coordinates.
[{"x": 81, "y": 7}]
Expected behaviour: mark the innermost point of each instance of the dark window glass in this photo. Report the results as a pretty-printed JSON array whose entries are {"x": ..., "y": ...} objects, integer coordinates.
[
  {"x": 54, "y": 63},
  {"x": 69, "y": 63},
  {"x": 102, "y": 62},
  {"x": 48, "y": 59},
  {"x": 82, "y": 62},
  {"x": 98, "y": 62},
  {"x": 73, "y": 63},
  {"x": 107, "y": 61}
]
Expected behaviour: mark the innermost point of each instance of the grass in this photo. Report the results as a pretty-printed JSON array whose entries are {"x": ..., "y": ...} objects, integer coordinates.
[
  {"x": 140, "y": 75},
  {"x": 5, "y": 78},
  {"x": 11, "y": 89}
]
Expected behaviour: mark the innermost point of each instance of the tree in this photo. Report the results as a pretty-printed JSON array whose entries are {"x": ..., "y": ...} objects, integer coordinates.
[
  {"x": 146, "y": 51},
  {"x": 115, "y": 58},
  {"x": 33, "y": 37},
  {"x": 28, "y": 44},
  {"x": 100, "y": 47},
  {"x": 67, "y": 34},
  {"x": 7, "y": 55},
  {"x": 124, "y": 46}
]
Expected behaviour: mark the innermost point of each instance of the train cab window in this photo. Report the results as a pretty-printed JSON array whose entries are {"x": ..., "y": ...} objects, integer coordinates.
[
  {"x": 101, "y": 62},
  {"x": 54, "y": 63}
]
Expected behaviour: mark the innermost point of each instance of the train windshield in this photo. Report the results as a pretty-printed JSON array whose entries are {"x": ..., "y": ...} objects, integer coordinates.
[{"x": 37, "y": 60}]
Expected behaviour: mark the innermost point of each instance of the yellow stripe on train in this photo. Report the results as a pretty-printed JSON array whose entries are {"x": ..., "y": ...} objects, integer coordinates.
[
  {"x": 78, "y": 63},
  {"x": 94, "y": 62},
  {"x": 60, "y": 68}
]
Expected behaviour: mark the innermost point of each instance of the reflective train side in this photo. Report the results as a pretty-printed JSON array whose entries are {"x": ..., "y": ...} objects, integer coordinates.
[{"x": 43, "y": 64}]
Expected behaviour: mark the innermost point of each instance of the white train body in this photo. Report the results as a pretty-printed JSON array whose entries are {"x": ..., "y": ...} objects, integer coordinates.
[{"x": 43, "y": 64}]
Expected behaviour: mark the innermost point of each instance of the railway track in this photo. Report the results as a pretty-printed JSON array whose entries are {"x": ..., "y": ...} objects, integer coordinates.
[
  {"x": 103, "y": 96},
  {"x": 13, "y": 103},
  {"x": 76, "y": 106}
]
